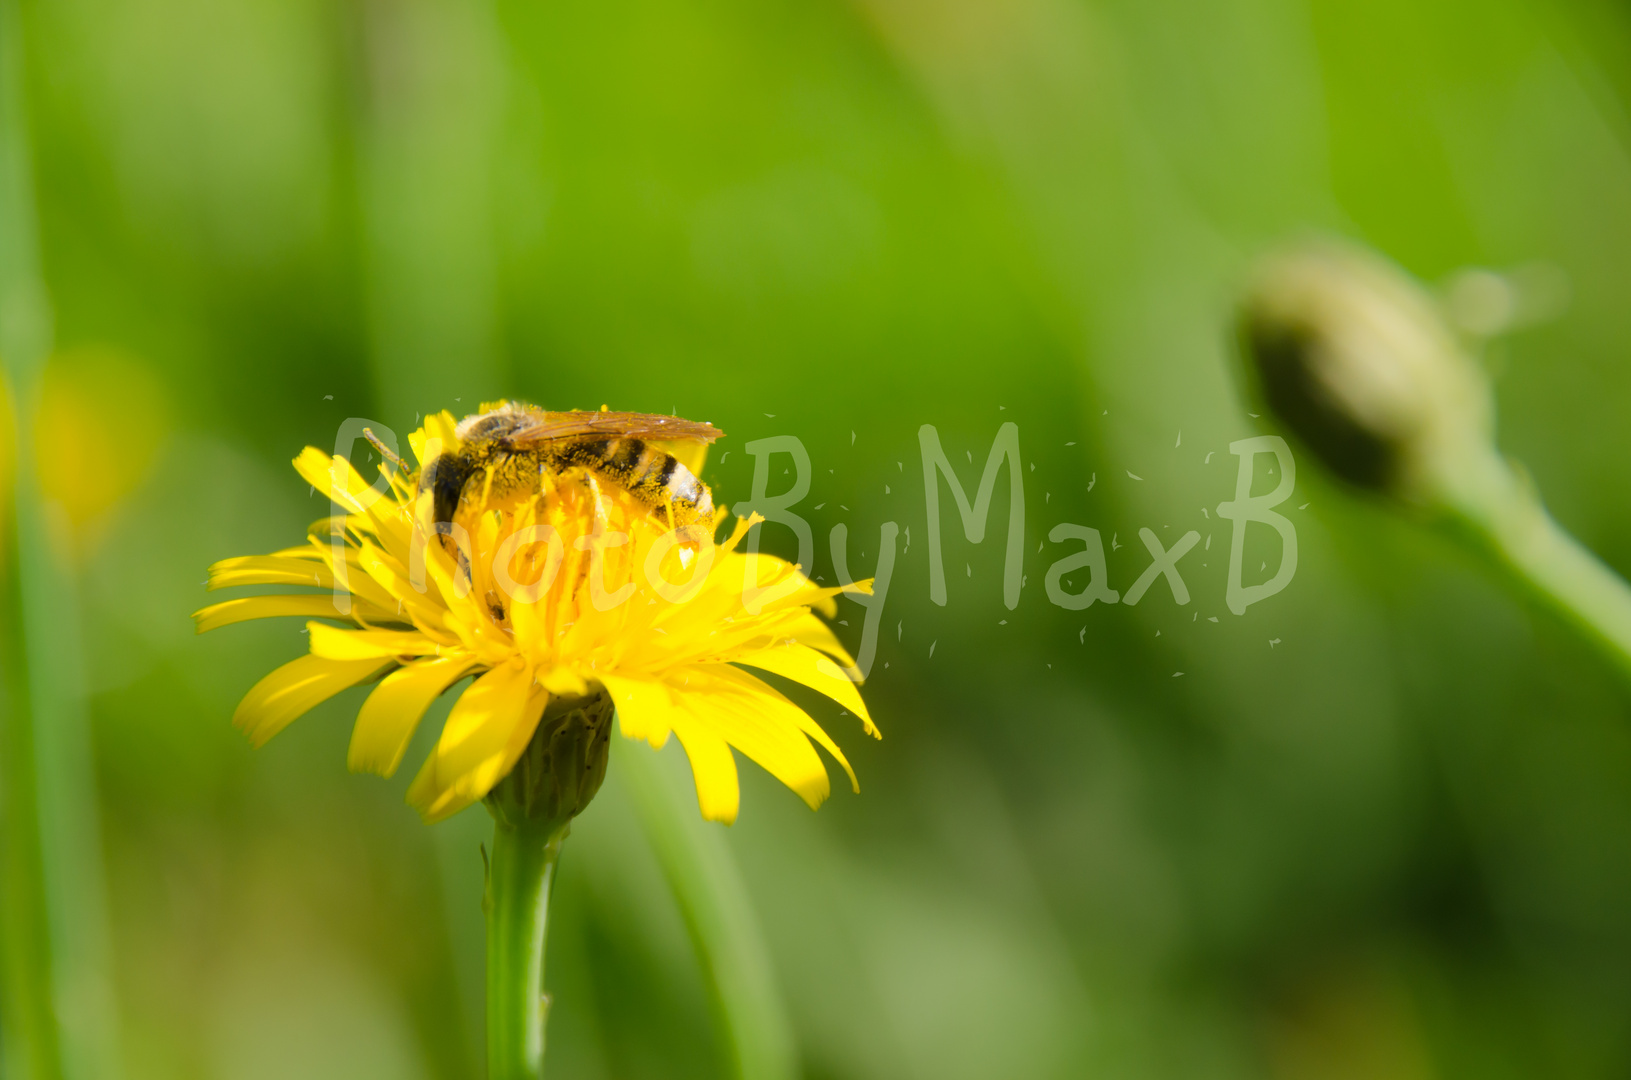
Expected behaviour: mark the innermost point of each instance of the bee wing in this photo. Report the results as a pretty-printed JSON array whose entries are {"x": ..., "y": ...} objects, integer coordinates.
[{"x": 541, "y": 426}]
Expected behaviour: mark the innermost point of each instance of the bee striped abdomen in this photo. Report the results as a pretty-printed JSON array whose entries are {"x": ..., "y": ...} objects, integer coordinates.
[
  {"x": 653, "y": 476},
  {"x": 508, "y": 449}
]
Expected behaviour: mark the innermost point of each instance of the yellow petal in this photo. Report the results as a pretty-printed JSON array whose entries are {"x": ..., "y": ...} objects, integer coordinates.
[
  {"x": 712, "y": 767},
  {"x": 309, "y": 605},
  {"x": 333, "y": 476},
  {"x": 293, "y": 689},
  {"x": 791, "y": 714},
  {"x": 387, "y": 720},
  {"x": 269, "y": 570},
  {"x": 356, "y": 579},
  {"x": 562, "y": 681},
  {"x": 807, "y": 667},
  {"x": 308, "y": 551},
  {"x": 373, "y": 511},
  {"x": 758, "y": 721},
  {"x": 452, "y": 585},
  {"x": 484, "y": 736},
  {"x": 806, "y": 629},
  {"x": 337, "y": 644},
  {"x": 389, "y": 574},
  {"x": 739, "y": 530},
  {"x": 645, "y": 710},
  {"x": 782, "y": 584},
  {"x": 439, "y": 428}
]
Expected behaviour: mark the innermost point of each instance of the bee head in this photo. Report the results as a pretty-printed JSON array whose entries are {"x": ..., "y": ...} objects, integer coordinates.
[{"x": 495, "y": 421}]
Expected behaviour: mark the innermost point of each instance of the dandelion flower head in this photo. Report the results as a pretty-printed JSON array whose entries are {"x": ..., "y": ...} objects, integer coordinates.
[{"x": 547, "y": 584}]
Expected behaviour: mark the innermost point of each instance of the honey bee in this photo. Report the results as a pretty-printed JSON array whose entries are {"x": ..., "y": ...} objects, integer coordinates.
[{"x": 511, "y": 446}]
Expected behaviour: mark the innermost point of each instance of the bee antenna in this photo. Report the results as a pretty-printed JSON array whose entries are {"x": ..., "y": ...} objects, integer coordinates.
[{"x": 385, "y": 451}]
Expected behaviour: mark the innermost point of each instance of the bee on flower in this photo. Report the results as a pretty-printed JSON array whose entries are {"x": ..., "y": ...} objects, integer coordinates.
[{"x": 566, "y": 561}]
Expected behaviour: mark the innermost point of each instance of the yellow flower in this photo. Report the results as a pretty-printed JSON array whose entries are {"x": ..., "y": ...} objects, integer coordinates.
[
  {"x": 563, "y": 591},
  {"x": 102, "y": 421}
]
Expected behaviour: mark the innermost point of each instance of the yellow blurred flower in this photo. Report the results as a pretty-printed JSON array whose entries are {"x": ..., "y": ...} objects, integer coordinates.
[
  {"x": 8, "y": 453},
  {"x": 563, "y": 592},
  {"x": 102, "y": 420}
]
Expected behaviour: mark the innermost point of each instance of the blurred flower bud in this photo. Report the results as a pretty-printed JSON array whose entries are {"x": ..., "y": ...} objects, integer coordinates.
[
  {"x": 1354, "y": 357},
  {"x": 561, "y": 769}
]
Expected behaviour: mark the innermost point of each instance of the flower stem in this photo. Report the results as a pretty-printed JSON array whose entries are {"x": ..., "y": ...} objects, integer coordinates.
[
  {"x": 1509, "y": 522},
  {"x": 518, "y": 883},
  {"x": 533, "y": 807}
]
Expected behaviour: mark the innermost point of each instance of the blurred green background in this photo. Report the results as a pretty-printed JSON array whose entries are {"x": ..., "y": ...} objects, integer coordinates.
[{"x": 1397, "y": 843}]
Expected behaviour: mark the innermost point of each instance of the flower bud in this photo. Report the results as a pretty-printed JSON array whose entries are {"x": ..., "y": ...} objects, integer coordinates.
[
  {"x": 1353, "y": 356},
  {"x": 562, "y": 767}
]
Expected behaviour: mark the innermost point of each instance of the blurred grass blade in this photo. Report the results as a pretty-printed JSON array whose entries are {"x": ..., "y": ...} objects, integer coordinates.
[
  {"x": 70, "y": 843},
  {"x": 719, "y": 915},
  {"x": 426, "y": 138},
  {"x": 54, "y": 879},
  {"x": 28, "y": 1038},
  {"x": 457, "y": 844}
]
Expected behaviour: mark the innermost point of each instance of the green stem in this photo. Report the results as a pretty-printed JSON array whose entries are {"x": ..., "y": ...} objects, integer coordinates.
[
  {"x": 1508, "y": 520},
  {"x": 518, "y": 883},
  {"x": 533, "y": 807}
]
